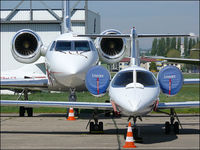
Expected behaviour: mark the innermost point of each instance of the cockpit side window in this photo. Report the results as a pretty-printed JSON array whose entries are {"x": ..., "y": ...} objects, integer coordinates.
[
  {"x": 52, "y": 46},
  {"x": 92, "y": 46},
  {"x": 63, "y": 46},
  {"x": 82, "y": 46}
]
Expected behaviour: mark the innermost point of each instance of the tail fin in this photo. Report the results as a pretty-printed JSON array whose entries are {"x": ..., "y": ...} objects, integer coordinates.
[{"x": 66, "y": 17}]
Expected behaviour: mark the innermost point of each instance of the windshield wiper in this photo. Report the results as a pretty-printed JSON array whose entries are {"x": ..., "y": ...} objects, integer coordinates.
[
  {"x": 61, "y": 52},
  {"x": 84, "y": 51}
]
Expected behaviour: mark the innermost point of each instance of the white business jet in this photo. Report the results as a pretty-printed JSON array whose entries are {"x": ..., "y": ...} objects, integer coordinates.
[{"x": 70, "y": 64}]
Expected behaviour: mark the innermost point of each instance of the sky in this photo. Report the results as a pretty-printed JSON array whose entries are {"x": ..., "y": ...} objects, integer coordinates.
[{"x": 147, "y": 16}]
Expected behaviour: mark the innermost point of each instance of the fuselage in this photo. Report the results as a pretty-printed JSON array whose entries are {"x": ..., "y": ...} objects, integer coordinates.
[
  {"x": 134, "y": 91},
  {"x": 68, "y": 59}
]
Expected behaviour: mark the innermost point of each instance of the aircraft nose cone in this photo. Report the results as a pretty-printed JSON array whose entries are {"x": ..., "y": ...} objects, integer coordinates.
[{"x": 134, "y": 104}]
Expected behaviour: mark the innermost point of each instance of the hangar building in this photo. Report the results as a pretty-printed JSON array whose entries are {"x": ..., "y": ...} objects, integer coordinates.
[{"x": 46, "y": 22}]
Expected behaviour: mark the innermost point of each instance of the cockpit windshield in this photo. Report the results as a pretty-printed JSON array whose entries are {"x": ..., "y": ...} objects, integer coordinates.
[
  {"x": 126, "y": 77},
  {"x": 82, "y": 46},
  {"x": 63, "y": 46},
  {"x": 72, "y": 46}
]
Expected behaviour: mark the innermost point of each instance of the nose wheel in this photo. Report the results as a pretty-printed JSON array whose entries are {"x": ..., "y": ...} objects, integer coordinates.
[
  {"x": 22, "y": 109},
  {"x": 72, "y": 98}
]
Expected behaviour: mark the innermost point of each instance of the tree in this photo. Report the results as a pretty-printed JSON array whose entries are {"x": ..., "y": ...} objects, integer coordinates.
[
  {"x": 161, "y": 47},
  {"x": 179, "y": 44},
  {"x": 186, "y": 46},
  {"x": 195, "y": 54},
  {"x": 154, "y": 47},
  {"x": 173, "y": 43},
  {"x": 193, "y": 42},
  {"x": 190, "y": 45},
  {"x": 153, "y": 67},
  {"x": 174, "y": 53},
  {"x": 168, "y": 44},
  {"x": 197, "y": 40}
]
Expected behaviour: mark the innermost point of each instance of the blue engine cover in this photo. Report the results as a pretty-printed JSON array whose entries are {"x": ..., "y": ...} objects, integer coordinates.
[
  {"x": 97, "y": 80},
  {"x": 170, "y": 73}
]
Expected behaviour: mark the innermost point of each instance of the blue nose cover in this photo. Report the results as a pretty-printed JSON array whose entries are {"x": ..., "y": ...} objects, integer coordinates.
[
  {"x": 170, "y": 73},
  {"x": 97, "y": 80}
]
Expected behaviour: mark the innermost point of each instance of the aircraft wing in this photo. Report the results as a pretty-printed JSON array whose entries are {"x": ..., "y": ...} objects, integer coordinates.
[
  {"x": 188, "y": 104},
  {"x": 191, "y": 81},
  {"x": 178, "y": 60},
  {"x": 32, "y": 84},
  {"x": 84, "y": 105}
]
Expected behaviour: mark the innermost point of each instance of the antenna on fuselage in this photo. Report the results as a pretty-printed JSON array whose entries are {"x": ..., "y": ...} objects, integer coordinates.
[
  {"x": 134, "y": 48},
  {"x": 66, "y": 17}
]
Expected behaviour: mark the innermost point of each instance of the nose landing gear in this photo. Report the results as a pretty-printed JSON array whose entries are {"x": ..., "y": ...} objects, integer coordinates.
[{"x": 23, "y": 109}]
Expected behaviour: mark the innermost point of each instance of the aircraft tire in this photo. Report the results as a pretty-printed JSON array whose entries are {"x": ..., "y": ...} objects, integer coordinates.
[
  {"x": 100, "y": 126},
  {"x": 30, "y": 112},
  {"x": 176, "y": 127},
  {"x": 21, "y": 111},
  {"x": 167, "y": 127},
  {"x": 91, "y": 127}
]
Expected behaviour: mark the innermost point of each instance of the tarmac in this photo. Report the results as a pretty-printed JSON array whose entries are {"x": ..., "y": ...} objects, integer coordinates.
[{"x": 53, "y": 131}]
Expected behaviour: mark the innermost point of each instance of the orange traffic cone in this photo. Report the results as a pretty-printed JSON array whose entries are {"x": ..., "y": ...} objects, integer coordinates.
[
  {"x": 129, "y": 138},
  {"x": 71, "y": 114}
]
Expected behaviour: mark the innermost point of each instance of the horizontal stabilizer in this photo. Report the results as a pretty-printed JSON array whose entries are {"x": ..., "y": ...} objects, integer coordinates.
[
  {"x": 177, "y": 60},
  {"x": 165, "y": 35},
  {"x": 93, "y": 36}
]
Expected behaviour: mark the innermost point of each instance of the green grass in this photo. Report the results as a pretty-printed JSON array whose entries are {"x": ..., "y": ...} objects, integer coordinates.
[
  {"x": 187, "y": 93},
  {"x": 191, "y": 75}
]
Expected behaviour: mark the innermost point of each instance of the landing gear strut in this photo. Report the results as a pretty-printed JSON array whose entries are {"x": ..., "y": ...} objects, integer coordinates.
[
  {"x": 23, "y": 109},
  {"x": 72, "y": 98},
  {"x": 96, "y": 127},
  {"x": 172, "y": 125}
]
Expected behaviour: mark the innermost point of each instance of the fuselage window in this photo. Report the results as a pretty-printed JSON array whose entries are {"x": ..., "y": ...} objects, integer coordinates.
[
  {"x": 63, "y": 46},
  {"x": 82, "y": 46}
]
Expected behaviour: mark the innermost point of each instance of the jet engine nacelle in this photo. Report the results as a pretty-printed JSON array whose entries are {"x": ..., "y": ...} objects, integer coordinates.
[
  {"x": 26, "y": 46},
  {"x": 111, "y": 50},
  {"x": 97, "y": 80},
  {"x": 170, "y": 79}
]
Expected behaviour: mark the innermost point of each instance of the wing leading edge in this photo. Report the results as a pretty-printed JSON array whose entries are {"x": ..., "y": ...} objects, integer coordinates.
[
  {"x": 84, "y": 105},
  {"x": 188, "y": 104},
  {"x": 24, "y": 83}
]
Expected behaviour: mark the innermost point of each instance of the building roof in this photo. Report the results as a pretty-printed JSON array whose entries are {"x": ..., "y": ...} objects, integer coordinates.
[
  {"x": 147, "y": 59},
  {"x": 125, "y": 59},
  {"x": 141, "y": 59}
]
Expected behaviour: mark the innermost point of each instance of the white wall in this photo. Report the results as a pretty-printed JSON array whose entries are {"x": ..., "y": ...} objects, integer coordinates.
[{"x": 47, "y": 32}]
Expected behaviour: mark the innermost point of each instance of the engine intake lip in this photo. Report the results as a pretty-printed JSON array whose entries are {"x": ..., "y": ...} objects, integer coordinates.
[
  {"x": 121, "y": 40},
  {"x": 22, "y": 35}
]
